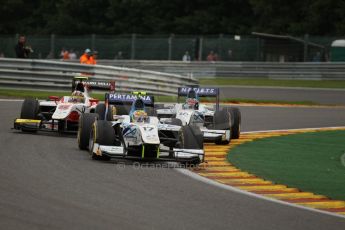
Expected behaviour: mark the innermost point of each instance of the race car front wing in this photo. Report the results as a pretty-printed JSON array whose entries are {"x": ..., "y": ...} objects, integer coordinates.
[
  {"x": 211, "y": 135},
  {"x": 178, "y": 154}
]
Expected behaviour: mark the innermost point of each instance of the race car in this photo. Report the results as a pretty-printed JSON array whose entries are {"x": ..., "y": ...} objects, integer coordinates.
[
  {"x": 218, "y": 126},
  {"x": 61, "y": 114},
  {"x": 137, "y": 134}
]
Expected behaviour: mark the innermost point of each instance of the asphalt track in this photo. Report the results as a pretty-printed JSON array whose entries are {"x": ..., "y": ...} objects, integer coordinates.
[
  {"x": 320, "y": 96},
  {"x": 47, "y": 183}
]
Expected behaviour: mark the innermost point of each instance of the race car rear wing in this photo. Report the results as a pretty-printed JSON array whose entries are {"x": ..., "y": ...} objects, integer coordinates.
[
  {"x": 128, "y": 99},
  {"x": 201, "y": 92},
  {"x": 94, "y": 84}
]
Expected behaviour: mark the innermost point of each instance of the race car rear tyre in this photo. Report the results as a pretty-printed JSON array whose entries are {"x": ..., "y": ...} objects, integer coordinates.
[
  {"x": 103, "y": 134},
  {"x": 102, "y": 114},
  {"x": 175, "y": 121},
  {"x": 122, "y": 109},
  {"x": 84, "y": 129},
  {"x": 151, "y": 111},
  {"x": 30, "y": 110},
  {"x": 235, "y": 122},
  {"x": 159, "y": 106},
  {"x": 191, "y": 138},
  {"x": 100, "y": 110},
  {"x": 222, "y": 121}
]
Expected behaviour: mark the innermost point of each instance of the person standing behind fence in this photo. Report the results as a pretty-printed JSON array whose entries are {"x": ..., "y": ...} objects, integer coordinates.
[
  {"x": 210, "y": 56},
  {"x": 95, "y": 57},
  {"x": 186, "y": 57},
  {"x": 72, "y": 55},
  {"x": 65, "y": 55},
  {"x": 87, "y": 58},
  {"x": 22, "y": 51}
]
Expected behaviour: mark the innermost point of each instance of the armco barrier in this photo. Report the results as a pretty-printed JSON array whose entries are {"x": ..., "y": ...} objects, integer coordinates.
[
  {"x": 271, "y": 70},
  {"x": 57, "y": 75}
]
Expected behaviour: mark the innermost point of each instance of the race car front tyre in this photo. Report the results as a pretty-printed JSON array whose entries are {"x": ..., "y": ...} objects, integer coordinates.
[
  {"x": 235, "y": 122},
  {"x": 84, "y": 129},
  {"x": 222, "y": 121},
  {"x": 30, "y": 110},
  {"x": 102, "y": 133},
  {"x": 191, "y": 138}
]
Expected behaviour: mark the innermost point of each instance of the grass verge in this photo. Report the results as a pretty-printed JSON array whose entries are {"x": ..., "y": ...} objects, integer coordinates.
[
  {"x": 336, "y": 84},
  {"x": 312, "y": 162},
  {"x": 14, "y": 93}
]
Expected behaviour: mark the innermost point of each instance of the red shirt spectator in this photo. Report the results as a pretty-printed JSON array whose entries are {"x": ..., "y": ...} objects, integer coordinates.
[{"x": 210, "y": 56}]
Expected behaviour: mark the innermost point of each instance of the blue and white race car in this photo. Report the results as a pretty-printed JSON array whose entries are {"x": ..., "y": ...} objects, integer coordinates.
[
  {"x": 219, "y": 126},
  {"x": 129, "y": 131}
]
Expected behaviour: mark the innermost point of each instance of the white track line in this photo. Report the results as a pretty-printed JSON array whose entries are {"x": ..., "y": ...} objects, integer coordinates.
[
  {"x": 237, "y": 190},
  {"x": 10, "y": 100},
  {"x": 299, "y": 129},
  {"x": 233, "y": 189}
]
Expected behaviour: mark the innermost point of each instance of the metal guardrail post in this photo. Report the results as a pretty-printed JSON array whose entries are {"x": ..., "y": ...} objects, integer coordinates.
[
  {"x": 133, "y": 47},
  {"x": 170, "y": 43},
  {"x": 200, "y": 49},
  {"x": 220, "y": 47},
  {"x": 52, "y": 46},
  {"x": 305, "y": 51}
]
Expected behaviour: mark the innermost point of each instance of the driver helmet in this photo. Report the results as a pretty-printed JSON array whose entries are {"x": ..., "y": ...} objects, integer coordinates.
[
  {"x": 139, "y": 116},
  {"x": 192, "y": 101},
  {"x": 77, "y": 93}
]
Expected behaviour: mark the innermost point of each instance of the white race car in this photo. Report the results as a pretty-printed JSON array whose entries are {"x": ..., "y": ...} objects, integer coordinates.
[
  {"x": 219, "y": 126},
  {"x": 137, "y": 135},
  {"x": 61, "y": 114}
]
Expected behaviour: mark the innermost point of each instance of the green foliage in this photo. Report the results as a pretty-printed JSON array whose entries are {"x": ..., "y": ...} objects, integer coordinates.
[{"x": 316, "y": 17}]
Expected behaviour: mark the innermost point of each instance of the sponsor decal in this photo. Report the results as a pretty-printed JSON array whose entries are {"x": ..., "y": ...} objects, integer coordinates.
[
  {"x": 128, "y": 98},
  {"x": 97, "y": 83},
  {"x": 205, "y": 91},
  {"x": 64, "y": 107},
  {"x": 130, "y": 132}
]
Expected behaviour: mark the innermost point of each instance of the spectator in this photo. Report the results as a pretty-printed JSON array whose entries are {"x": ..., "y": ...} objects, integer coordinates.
[
  {"x": 64, "y": 54},
  {"x": 2, "y": 55},
  {"x": 230, "y": 55},
  {"x": 119, "y": 56},
  {"x": 50, "y": 55},
  {"x": 72, "y": 55},
  {"x": 87, "y": 58},
  {"x": 216, "y": 57},
  {"x": 210, "y": 56},
  {"x": 22, "y": 51},
  {"x": 186, "y": 57}
]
